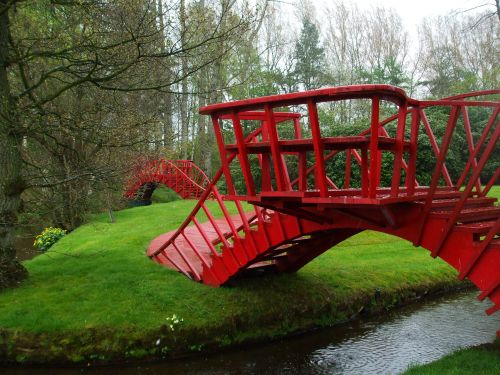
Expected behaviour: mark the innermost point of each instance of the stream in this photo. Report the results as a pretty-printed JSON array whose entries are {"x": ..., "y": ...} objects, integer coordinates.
[
  {"x": 24, "y": 245},
  {"x": 386, "y": 344}
]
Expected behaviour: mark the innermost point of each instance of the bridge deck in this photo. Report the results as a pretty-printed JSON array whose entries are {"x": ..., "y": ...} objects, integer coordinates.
[{"x": 195, "y": 236}]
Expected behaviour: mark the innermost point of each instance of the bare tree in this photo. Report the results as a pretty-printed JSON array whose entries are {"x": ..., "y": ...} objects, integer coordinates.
[{"x": 48, "y": 52}]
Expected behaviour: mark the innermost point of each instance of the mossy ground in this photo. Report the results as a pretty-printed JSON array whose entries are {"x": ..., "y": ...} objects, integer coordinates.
[{"x": 96, "y": 296}]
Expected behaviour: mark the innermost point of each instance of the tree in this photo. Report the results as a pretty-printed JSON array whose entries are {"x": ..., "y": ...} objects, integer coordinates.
[
  {"x": 389, "y": 72},
  {"x": 460, "y": 54},
  {"x": 49, "y": 50},
  {"x": 11, "y": 181},
  {"x": 309, "y": 56}
]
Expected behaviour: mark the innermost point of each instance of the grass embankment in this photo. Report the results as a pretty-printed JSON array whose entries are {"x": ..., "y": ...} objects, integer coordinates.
[
  {"x": 480, "y": 360},
  {"x": 96, "y": 296}
]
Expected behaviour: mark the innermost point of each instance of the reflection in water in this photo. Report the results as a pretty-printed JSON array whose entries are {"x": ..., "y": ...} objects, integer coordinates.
[{"x": 383, "y": 345}]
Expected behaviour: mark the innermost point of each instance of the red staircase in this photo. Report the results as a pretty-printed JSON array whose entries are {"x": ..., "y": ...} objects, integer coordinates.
[
  {"x": 299, "y": 211},
  {"x": 182, "y": 176}
]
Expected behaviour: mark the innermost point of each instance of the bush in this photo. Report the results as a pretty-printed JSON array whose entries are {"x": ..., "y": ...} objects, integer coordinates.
[{"x": 48, "y": 237}]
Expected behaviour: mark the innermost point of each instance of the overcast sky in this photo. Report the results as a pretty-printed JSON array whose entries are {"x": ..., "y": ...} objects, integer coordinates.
[{"x": 413, "y": 11}]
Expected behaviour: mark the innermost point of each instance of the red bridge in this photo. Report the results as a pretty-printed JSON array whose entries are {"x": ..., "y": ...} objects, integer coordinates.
[
  {"x": 291, "y": 163},
  {"x": 182, "y": 176}
]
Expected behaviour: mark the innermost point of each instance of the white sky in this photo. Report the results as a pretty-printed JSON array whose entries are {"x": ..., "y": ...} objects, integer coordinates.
[{"x": 414, "y": 11}]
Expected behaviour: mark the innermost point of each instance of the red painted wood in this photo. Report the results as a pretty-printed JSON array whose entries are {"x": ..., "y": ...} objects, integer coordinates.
[
  {"x": 270, "y": 125},
  {"x": 319, "y": 171},
  {"x": 347, "y": 174},
  {"x": 182, "y": 176},
  {"x": 224, "y": 159},
  {"x": 479, "y": 145},
  {"x": 411, "y": 181},
  {"x": 289, "y": 228},
  {"x": 398, "y": 152},
  {"x": 434, "y": 144},
  {"x": 452, "y": 121},
  {"x": 491, "y": 182},
  {"x": 375, "y": 155},
  {"x": 242, "y": 154}
]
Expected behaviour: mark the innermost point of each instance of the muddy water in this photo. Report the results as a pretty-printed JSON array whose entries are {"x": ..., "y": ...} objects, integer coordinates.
[
  {"x": 24, "y": 245},
  {"x": 387, "y": 344}
]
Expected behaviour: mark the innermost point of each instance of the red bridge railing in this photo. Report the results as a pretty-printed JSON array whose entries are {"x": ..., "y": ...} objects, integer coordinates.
[
  {"x": 182, "y": 176},
  {"x": 272, "y": 148}
]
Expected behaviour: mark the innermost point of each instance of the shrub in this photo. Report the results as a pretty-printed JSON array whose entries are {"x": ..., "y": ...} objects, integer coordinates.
[{"x": 48, "y": 237}]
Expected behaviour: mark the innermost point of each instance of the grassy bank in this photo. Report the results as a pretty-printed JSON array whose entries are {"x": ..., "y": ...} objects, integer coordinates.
[
  {"x": 481, "y": 360},
  {"x": 95, "y": 296}
]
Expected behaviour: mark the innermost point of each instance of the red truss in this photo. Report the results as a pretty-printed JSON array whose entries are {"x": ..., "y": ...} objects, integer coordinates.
[
  {"x": 182, "y": 176},
  {"x": 301, "y": 210}
]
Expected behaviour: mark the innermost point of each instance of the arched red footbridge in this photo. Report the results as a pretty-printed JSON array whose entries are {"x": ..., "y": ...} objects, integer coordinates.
[
  {"x": 312, "y": 187},
  {"x": 182, "y": 176}
]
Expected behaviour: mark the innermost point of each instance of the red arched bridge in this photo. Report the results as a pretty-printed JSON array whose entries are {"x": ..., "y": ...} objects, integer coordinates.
[
  {"x": 311, "y": 186},
  {"x": 182, "y": 176}
]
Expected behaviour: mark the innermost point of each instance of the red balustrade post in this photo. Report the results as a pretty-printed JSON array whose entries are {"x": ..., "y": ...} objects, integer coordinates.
[
  {"x": 242, "y": 154},
  {"x": 467, "y": 191},
  {"x": 265, "y": 161},
  {"x": 375, "y": 158},
  {"x": 398, "y": 152},
  {"x": 347, "y": 177},
  {"x": 412, "y": 161},
  {"x": 302, "y": 158},
  {"x": 365, "y": 178},
  {"x": 320, "y": 173},
  {"x": 223, "y": 155},
  {"x": 282, "y": 182}
]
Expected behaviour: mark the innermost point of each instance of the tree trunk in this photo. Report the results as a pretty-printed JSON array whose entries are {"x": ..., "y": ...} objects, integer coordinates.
[
  {"x": 166, "y": 109},
  {"x": 184, "y": 87},
  {"x": 11, "y": 181}
]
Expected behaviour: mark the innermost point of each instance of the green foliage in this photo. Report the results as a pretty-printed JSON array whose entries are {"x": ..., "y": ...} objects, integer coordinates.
[
  {"x": 448, "y": 76},
  {"x": 163, "y": 194},
  {"x": 309, "y": 56},
  {"x": 48, "y": 237},
  {"x": 389, "y": 72}
]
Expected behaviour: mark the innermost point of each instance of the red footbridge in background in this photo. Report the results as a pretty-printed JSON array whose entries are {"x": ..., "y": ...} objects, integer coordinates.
[
  {"x": 293, "y": 206},
  {"x": 182, "y": 176}
]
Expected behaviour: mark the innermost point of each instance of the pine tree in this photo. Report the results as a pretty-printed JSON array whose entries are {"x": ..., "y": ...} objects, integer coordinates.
[{"x": 309, "y": 56}]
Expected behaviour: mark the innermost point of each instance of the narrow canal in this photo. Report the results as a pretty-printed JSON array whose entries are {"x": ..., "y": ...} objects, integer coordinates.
[
  {"x": 24, "y": 244},
  {"x": 386, "y": 344}
]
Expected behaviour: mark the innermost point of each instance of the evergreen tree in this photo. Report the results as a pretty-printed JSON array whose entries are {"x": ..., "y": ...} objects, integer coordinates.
[{"x": 309, "y": 57}]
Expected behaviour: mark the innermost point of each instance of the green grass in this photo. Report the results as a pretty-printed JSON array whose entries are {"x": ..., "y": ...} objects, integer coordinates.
[
  {"x": 163, "y": 194},
  {"x": 99, "y": 276},
  {"x": 98, "y": 279},
  {"x": 482, "y": 360}
]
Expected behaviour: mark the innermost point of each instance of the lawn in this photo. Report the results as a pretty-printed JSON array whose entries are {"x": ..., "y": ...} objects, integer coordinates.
[{"x": 482, "y": 360}]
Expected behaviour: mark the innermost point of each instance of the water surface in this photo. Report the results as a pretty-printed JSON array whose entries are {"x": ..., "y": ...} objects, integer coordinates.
[{"x": 24, "y": 245}]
